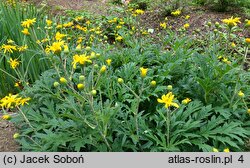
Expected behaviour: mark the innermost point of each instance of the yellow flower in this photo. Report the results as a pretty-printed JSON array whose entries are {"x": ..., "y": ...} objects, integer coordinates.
[
  {"x": 44, "y": 40},
  {"x": 145, "y": 32},
  {"x": 247, "y": 40},
  {"x": 17, "y": 84},
  {"x": 80, "y": 59},
  {"x": 59, "y": 36},
  {"x": 69, "y": 24},
  {"x": 118, "y": 27},
  {"x": 163, "y": 25},
  {"x": 66, "y": 48},
  {"x": 14, "y": 63},
  {"x": 231, "y": 22},
  {"x": 23, "y": 101},
  {"x": 226, "y": 60},
  {"x": 11, "y": 101},
  {"x": 78, "y": 47},
  {"x": 88, "y": 22},
  {"x": 143, "y": 72},
  {"x": 247, "y": 23},
  {"x": 226, "y": 150},
  {"x": 49, "y": 22},
  {"x": 248, "y": 111},
  {"x": 8, "y": 101},
  {"x": 59, "y": 26},
  {"x": 241, "y": 94},
  {"x": 56, "y": 47},
  {"x": 25, "y": 31},
  {"x": 79, "y": 40},
  {"x": 186, "y": 101},
  {"x": 8, "y": 48},
  {"x": 108, "y": 61},
  {"x": 6, "y": 117},
  {"x": 22, "y": 48},
  {"x": 215, "y": 150},
  {"x": 119, "y": 38},
  {"x": 103, "y": 69},
  {"x": 176, "y": 13},
  {"x": 186, "y": 26},
  {"x": 187, "y": 17},
  {"x": 28, "y": 22},
  {"x": 168, "y": 100},
  {"x": 78, "y": 18},
  {"x": 9, "y": 41},
  {"x": 139, "y": 12},
  {"x": 233, "y": 44}
]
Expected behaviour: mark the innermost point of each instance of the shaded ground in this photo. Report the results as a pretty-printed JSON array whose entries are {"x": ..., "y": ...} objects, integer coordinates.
[
  {"x": 198, "y": 18},
  {"x": 7, "y": 142},
  {"x": 58, "y": 6}
]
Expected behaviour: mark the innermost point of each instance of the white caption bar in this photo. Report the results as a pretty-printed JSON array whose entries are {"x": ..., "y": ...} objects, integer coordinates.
[{"x": 124, "y": 160}]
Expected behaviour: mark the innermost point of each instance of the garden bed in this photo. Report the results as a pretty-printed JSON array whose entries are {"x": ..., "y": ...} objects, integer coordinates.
[{"x": 123, "y": 79}]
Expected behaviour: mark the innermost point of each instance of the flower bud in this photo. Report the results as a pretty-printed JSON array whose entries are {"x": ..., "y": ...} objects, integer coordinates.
[
  {"x": 226, "y": 150},
  {"x": 215, "y": 150},
  {"x": 108, "y": 61},
  {"x": 169, "y": 87},
  {"x": 93, "y": 92},
  {"x": 78, "y": 47},
  {"x": 63, "y": 80},
  {"x": 209, "y": 24},
  {"x": 233, "y": 45},
  {"x": 80, "y": 86},
  {"x": 186, "y": 101},
  {"x": 247, "y": 40},
  {"x": 143, "y": 72},
  {"x": 81, "y": 78},
  {"x": 16, "y": 135},
  {"x": 56, "y": 84},
  {"x": 103, "y": 69},
  {"x": 217, "y": 24},
  {"x": 241, "y": 94},
  {"x": 153, "y": 83},
  {"x": 88, "y": 48},
  {"x": 66, "y": 49},
  {"x": 96, "y": 66},
  {"x": 120, "y": 80}
]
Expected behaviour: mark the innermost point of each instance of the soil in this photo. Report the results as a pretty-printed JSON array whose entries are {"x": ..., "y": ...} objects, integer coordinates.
[
  {"x": 96, "y": 7},
  {"x": 150, "y": 20},
  {"x": 7, "y": 142}
]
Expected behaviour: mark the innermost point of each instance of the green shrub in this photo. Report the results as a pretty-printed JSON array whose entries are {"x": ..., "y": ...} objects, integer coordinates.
[
  {"x": 140, "y": 4},
  {"x": 125, "y": 116},
  {"x": 223, "y": 5},
  {"x": 111, "y": 87}
]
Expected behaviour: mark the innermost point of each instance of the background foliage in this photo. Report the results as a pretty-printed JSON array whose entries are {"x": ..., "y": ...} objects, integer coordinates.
[{"x": 105, "y": 103}]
